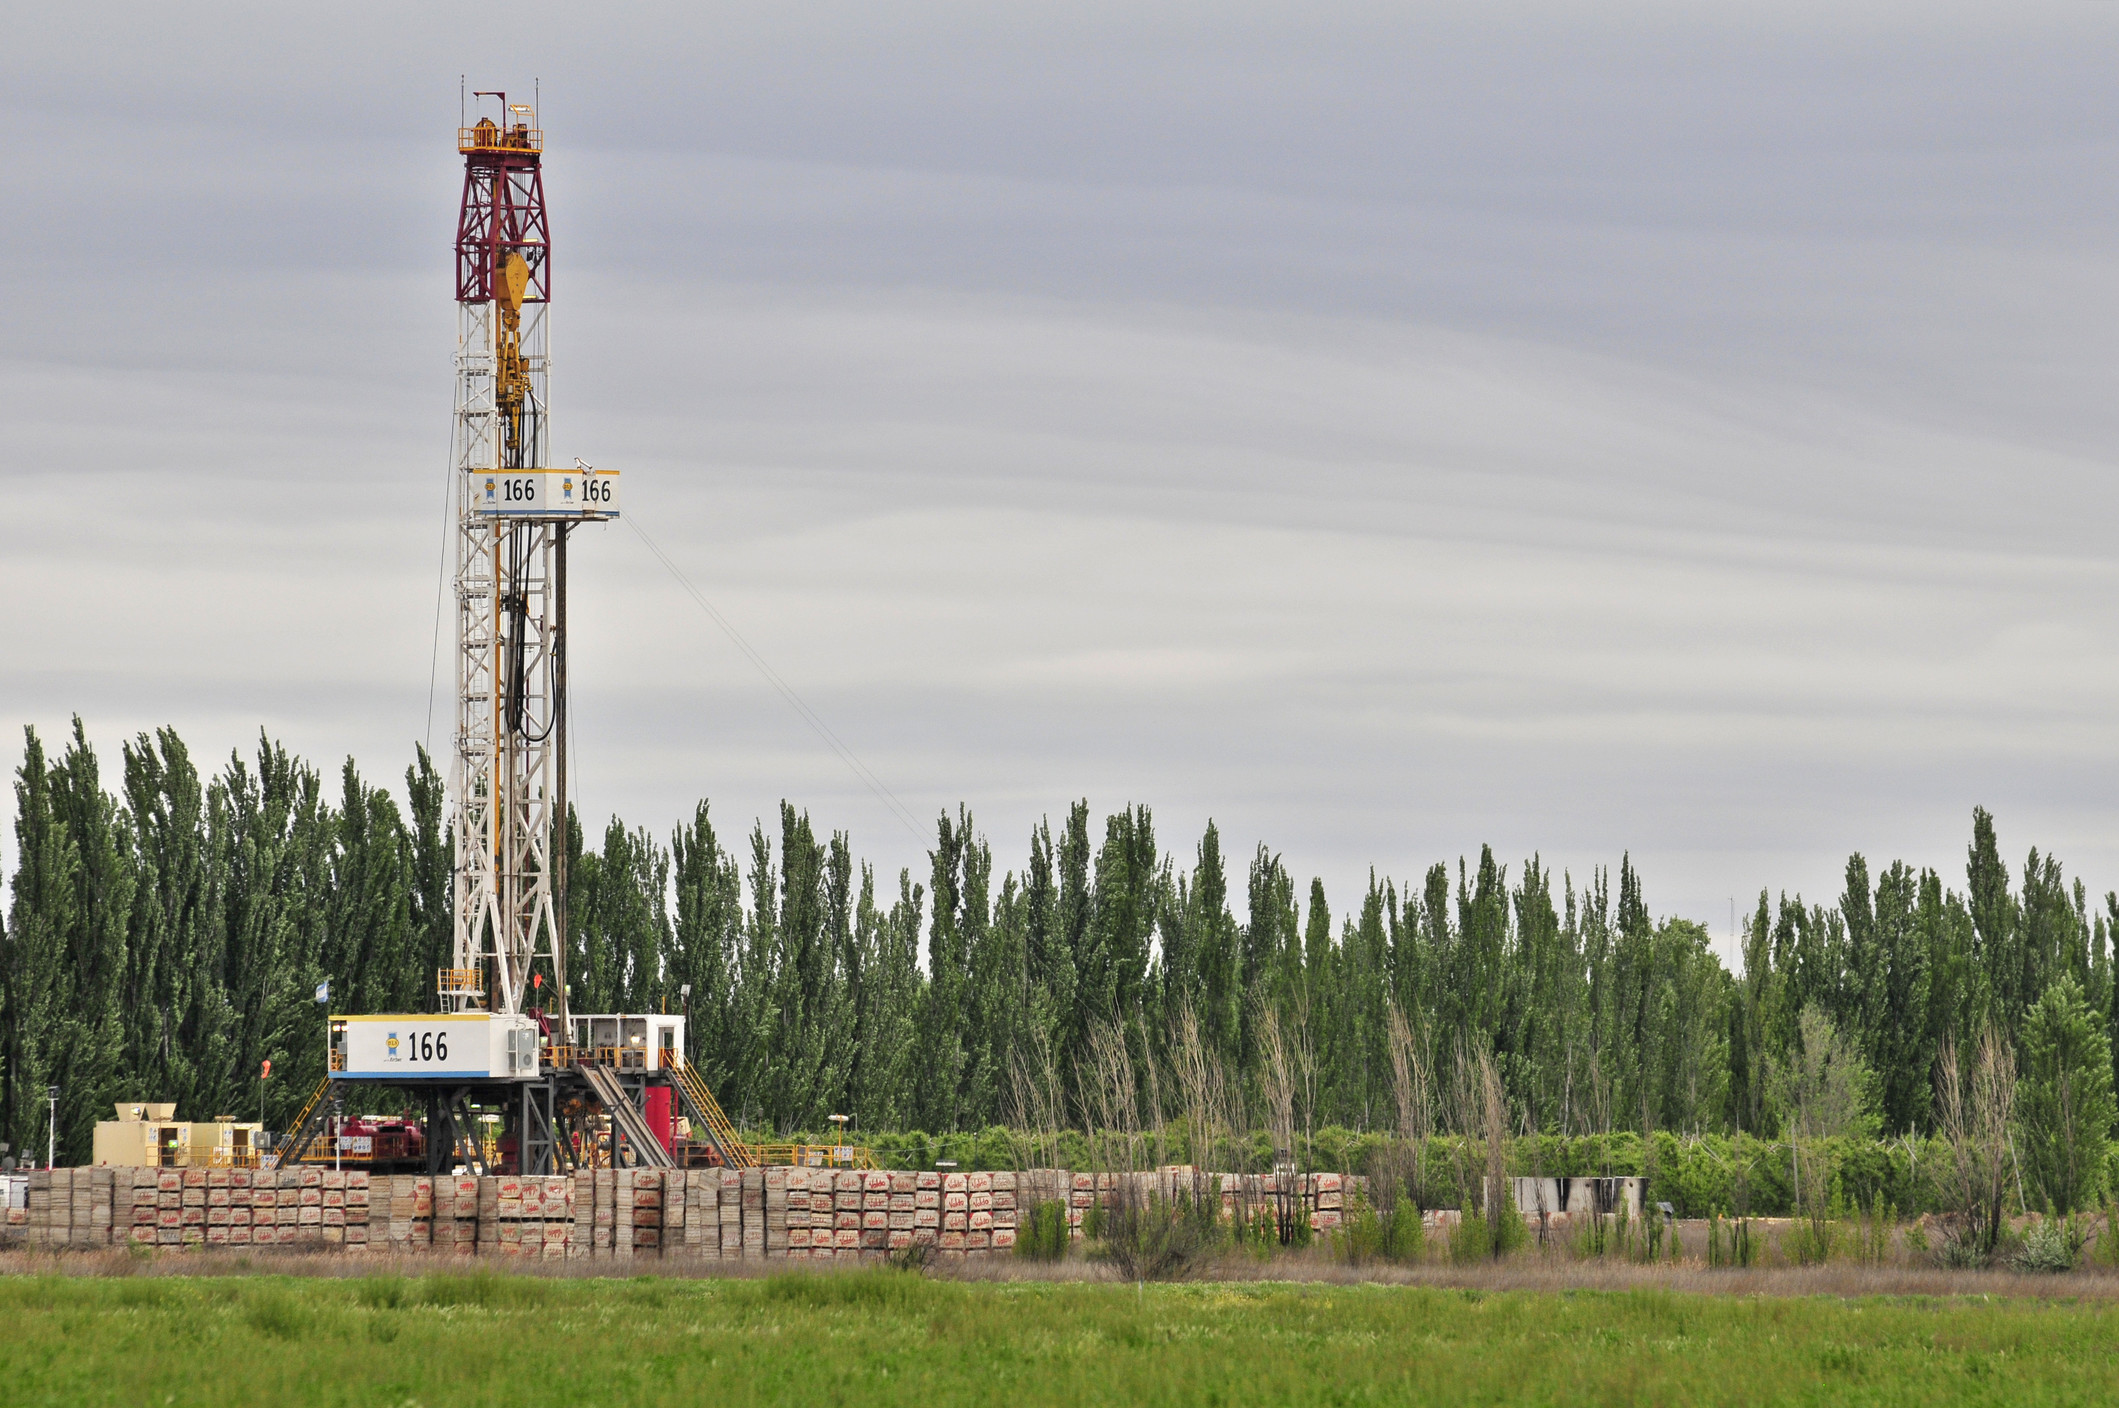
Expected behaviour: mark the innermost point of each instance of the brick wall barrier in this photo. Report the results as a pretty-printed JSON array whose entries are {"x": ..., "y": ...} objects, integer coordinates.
[{"x": 618, "y": 1215}]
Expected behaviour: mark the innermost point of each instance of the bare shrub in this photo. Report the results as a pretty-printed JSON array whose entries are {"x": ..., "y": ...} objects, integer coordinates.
[
  {"x": 1974, "y": 1117},
  {"x": 1412, "y": 1092},
  {"x": 1204, "y": 1103},
  {"x": 1505, "y": 1221},
  {"x": 1144, "y": 1233},
  {"x": 1290, "y": 1220},
  {"x": 1148, "y": 1235},
  {"x": 1039, "y": 1102}
]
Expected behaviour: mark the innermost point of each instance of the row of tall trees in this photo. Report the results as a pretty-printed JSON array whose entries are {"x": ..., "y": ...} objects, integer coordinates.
[{"x": 166, "y": 930}]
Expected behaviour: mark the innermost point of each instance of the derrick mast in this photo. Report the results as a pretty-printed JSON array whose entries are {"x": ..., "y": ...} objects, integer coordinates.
[
  {"x": 566, "y": 1089},
  {"x": 512, "y": 516}
]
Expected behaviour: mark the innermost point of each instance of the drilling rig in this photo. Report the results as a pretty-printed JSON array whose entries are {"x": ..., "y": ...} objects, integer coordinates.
[{"x": 512, "y": 1078}]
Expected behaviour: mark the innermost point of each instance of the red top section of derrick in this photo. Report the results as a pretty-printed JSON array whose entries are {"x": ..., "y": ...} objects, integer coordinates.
[{"x": 503, "y": 210}]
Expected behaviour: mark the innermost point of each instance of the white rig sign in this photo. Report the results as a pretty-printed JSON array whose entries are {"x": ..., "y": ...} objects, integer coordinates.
[{"x": 582, "y": 493}]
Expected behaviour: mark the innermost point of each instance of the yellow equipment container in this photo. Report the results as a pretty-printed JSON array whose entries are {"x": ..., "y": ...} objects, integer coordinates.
[{"x": 151, "y": 1136}]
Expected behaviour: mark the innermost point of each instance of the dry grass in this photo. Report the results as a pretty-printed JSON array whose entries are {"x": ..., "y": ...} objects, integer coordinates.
[{"x": 1527, "y": 1272}]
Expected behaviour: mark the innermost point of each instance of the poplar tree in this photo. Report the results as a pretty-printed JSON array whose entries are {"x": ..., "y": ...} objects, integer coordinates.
[
  {"x": 893, "y": 994},
  {"x": 41, "y": 914},
  {"x": 430, "y": 911},
  {"x": 90, "y": 1064},
  {"x": 174, "y": 983},
  {"x": 2064, "y": 1099},
  {"x": 940, "y": 1070},
  {"x": 1995, "y": 961},
  {"x": 706, "y": 945}
]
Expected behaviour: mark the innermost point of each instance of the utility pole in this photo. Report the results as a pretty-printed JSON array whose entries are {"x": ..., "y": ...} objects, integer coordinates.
[{"x": 51, "y": 1137}]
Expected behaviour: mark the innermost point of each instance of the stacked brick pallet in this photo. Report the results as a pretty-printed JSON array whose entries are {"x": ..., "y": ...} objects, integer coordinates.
[
  {"x": 698, "y": 1194},
  {"x": 454, "y": 1229},
  {"x": 94, "y": 1207},
  {"x": 835, "y": 1225},
  {"x": 775, "y": 1202},
  {"x": 290, "y": 1207},
  {"x": 533, "y": 1217},
  {"x": 70, "y": 1208},
  {"x": 629, "y": 1214},
  {"x": 636, "y": 1223},
  {"x": 1321, "y": 1197},
  {"x": 1327, "y": 1200},
  {"x": 401, "y": 1212},
  {"x": 978, "y": 1211}
]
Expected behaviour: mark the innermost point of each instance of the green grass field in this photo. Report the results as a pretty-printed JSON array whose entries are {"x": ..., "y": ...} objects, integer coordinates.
[{"x": 884, "y": 1338}]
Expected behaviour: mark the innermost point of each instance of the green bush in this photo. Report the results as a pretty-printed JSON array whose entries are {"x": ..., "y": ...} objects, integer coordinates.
[
  {"x": 1730, "y": 1243},
  {"x": 1468, "y": 1240},
  {"x": 1258, "y": 1231},
  {"x": 1607, "y": 1236},
  {"x": 1042, "y": 1232},
  {"x": 1404, "y": 1238},
  {"x": 1810, "y": 1243},
  {"x": 1093, "y": 1222},
  {"x": 2051, "y": 1244},
  {"x": 1153, "y": 1238},
  {"x": 1509, "y": 1232},
  {"x": 1358, "y": 1240},
  {"x": 2106, "y": 1252}
]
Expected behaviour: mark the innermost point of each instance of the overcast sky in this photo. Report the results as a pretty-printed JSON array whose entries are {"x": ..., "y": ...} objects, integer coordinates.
[{"x": 1383, "y": 429}]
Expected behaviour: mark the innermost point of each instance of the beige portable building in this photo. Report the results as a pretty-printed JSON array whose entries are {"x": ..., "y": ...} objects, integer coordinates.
[{"x": 151, "y": 1136}]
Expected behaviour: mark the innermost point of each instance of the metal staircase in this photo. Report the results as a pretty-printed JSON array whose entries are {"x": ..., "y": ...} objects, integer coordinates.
[
  {"x": 308, "y": 1124},
  {"x": 626, "y": 1119},
  {"x": 704, "y": 1111}
]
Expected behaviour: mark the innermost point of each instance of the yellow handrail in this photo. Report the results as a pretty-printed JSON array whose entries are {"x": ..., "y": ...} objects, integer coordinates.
[
  {"x": 488, "y": 137},
  {"x": 308, "y": 1108},
  {"x": 724, "y": 1132},
  {"x": 812, "y": 1155}
]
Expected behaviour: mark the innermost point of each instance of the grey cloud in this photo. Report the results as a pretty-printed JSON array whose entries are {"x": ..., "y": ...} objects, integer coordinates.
[{"x": 1383, "y": 429}]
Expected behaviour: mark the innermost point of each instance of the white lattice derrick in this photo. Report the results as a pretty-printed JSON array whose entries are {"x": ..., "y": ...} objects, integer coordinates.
[{"x": 501, "y": 772}]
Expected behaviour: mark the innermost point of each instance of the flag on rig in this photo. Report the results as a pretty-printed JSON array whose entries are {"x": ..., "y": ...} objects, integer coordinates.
[{"x": 323, "y": 991}]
